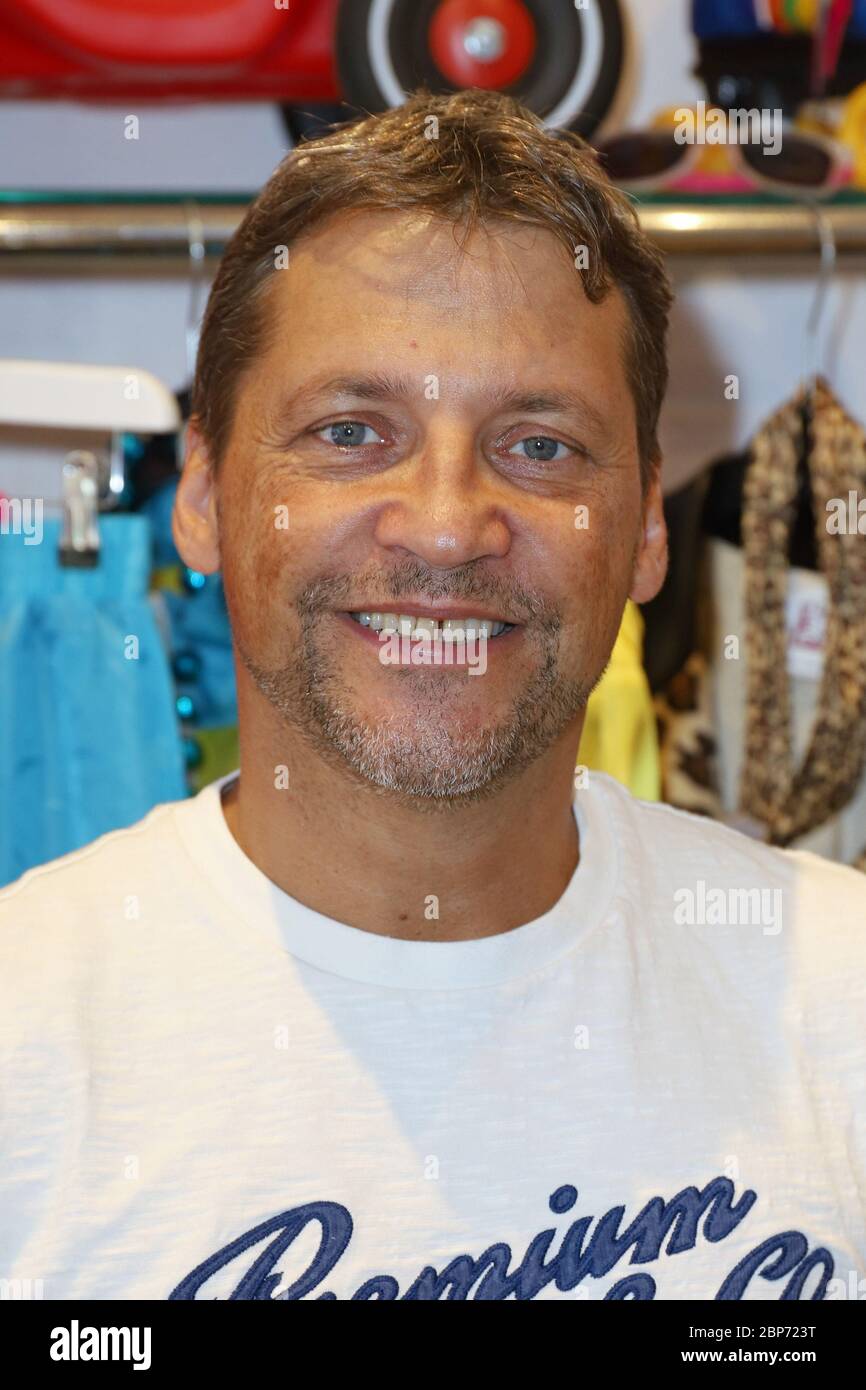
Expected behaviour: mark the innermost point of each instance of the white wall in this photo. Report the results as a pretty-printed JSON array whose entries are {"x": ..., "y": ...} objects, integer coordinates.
[{"x": 735, "y": 318}]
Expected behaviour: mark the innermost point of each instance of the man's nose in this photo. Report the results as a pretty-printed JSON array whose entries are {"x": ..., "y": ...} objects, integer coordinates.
[{"x": 445, "y": 505}]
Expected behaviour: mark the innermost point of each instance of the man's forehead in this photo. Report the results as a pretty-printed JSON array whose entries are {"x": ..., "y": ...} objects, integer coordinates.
[
  {"x": 374, "y": 271},
  {"x": 438, "y": 231},
  {"x": 421, "y": 256},
  {"x": 537, "y": 341}
]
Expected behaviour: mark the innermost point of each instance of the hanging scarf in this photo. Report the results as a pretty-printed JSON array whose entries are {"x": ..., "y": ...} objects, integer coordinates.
[{"x": 790, "y": 801}]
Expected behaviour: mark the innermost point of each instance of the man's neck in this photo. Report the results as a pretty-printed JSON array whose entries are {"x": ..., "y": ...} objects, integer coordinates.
[{"x": 361, "y": 856}]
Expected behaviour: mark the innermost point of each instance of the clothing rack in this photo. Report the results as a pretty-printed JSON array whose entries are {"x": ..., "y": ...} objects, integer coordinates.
[{"x": 44, "y": 233}]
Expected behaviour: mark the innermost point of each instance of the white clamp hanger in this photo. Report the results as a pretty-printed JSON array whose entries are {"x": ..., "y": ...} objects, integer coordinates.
[
  {"x": 72, "y": 395},
  {"x": 76, "y": 396}
]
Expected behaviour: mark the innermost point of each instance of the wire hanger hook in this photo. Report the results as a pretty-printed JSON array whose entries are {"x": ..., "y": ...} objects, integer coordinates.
[{"x": 826, "y": 269}]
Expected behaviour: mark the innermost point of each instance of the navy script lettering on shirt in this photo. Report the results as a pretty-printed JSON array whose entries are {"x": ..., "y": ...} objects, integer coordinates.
[{"x": 581, "y": 1255}]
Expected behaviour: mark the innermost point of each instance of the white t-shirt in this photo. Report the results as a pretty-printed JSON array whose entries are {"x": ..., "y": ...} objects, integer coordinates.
[{"x": 656, "y": 1090}]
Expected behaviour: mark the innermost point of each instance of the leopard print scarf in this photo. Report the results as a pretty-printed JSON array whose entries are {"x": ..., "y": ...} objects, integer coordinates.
[{"x": 790, "y": 801}]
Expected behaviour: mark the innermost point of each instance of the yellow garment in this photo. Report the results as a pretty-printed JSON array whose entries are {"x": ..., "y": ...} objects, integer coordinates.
[
  {"x": 620, "y": 734},
  {"x": 220, "y": 754},
  {"x": 167, "y": 577},
  {"x": 852, "y": 132}
]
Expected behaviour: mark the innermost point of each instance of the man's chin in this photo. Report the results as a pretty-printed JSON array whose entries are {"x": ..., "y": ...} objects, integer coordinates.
[
  {"x": 426, "y": 743},
  {"x": 436, "y": 763}
]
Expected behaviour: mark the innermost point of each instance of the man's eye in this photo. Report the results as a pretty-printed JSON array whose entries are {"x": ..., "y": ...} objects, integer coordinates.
[
  {"x": 342, "y": 432},
  {"x": 540, "y": 448}
]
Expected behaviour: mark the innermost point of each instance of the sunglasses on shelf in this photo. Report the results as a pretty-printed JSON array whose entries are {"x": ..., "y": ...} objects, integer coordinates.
[{"x": 654, "y": 160}]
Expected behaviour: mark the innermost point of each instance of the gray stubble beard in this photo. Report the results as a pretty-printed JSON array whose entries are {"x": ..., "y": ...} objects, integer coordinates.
[{"x": 423, "y": 764}]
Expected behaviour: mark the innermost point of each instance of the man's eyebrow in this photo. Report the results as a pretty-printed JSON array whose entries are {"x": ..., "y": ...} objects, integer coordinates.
[{"x": 382, "y": 386}]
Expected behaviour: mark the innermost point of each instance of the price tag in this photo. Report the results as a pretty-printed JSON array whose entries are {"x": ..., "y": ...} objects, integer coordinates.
[{"x": 806, "y": 620}]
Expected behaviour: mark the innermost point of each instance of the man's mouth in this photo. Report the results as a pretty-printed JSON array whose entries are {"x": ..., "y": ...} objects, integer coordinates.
[{"x": 441, "y": 628}]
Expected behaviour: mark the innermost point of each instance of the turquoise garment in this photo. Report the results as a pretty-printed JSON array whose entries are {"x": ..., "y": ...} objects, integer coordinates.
[
  {"x": 199, "y": 626},
  {"x": 90, "y": 737}
]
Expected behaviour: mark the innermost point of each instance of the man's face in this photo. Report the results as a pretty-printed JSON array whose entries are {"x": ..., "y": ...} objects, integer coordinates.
[{"x": 426, "y": 492}]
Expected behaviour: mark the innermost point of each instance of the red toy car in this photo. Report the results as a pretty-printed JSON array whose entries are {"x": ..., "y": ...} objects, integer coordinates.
[{"x": 562, "y": 58}]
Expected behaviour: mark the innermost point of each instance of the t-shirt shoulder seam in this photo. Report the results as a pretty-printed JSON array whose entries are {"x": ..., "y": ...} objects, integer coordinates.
[
  {"x": 729, "y": 832},
  {"x": 674, "y": 812},
  {"x": 708, "y": 822},
  {"x": 40, "y": 872},
  {"x": 831, "y": 866}
]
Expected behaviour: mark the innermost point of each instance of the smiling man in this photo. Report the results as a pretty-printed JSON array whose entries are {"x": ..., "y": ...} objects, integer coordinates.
[{"x": 400, "y": 1011}]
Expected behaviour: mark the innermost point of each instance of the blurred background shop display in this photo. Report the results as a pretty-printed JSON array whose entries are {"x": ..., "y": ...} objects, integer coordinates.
[{"x": 131, "y": 139}]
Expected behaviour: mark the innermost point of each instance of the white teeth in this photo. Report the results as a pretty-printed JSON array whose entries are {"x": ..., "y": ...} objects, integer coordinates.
[
  {"x": 478, "y": 627},
  {"x": 449, "y": 629}
]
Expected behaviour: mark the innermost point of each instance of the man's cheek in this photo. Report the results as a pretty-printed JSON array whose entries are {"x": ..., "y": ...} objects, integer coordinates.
[
  {"x": 259, "y": 542},
  {"x": 589, "y": 566},
  {"x": 606, "y": 552},
  {"x": 252, "y": 581}
]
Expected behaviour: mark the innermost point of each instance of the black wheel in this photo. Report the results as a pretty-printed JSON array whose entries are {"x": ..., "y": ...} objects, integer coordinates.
[{"x": 561, "y": 60}]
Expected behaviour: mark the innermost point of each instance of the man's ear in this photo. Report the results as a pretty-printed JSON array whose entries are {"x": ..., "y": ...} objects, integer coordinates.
[
  {"x": 194, "y": 518},
  {"x": 651, "y": 561}
]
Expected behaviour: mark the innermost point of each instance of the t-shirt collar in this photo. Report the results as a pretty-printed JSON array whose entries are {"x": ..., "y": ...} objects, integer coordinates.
[{"x": 372, "y": 959}]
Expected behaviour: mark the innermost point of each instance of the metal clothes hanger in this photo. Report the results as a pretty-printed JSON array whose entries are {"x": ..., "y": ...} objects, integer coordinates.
[
  {"x": 826, "y": 269},
  {"x": 803, "y": 548},
  {"x": 195, "y": 236},
  {"x": 198, "y": 290}
]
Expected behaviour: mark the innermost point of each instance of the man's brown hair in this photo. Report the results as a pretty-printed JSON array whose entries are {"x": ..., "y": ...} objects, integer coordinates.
[{"x": 466, "y": 156}]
